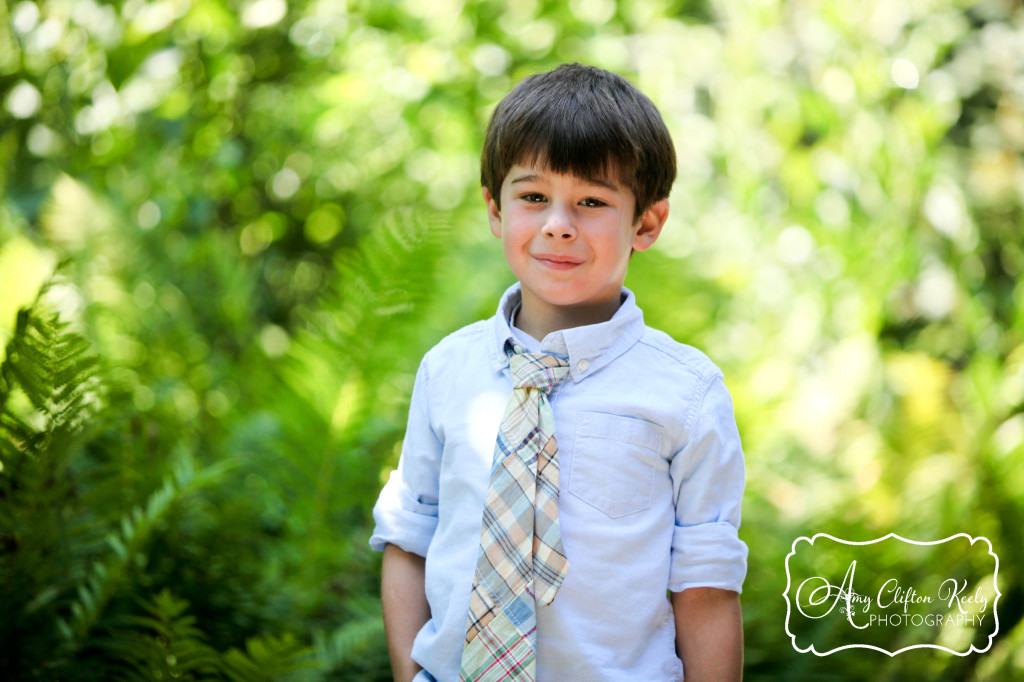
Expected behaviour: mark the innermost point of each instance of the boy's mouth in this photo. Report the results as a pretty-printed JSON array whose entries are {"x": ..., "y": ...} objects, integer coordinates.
[{"x": 557, "y": 262}]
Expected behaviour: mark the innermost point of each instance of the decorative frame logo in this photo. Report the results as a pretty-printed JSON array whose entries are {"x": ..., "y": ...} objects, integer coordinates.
[{"x": 950, "y": 609}]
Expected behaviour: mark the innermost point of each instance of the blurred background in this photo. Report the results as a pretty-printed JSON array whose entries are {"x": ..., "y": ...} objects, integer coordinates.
[{"x": 229, "y": 229}]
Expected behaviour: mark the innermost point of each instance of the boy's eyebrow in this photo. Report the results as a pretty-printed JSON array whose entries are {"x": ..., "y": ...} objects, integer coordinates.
[
  {"x": 601, "y": 182},
  {"x": 526, "y": 177},
  {"x": 534, "y": 177}
]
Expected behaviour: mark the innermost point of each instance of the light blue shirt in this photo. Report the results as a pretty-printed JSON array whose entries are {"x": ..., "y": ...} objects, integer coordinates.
[{"x": 649, "y": 498}]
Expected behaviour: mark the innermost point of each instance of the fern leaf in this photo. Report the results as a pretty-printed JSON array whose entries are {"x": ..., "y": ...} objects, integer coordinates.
[
  {"x": 126, "y": 545},
  {"x": 54, "y": 368},
  {"x": 267, "y": 658},
  {"x": 385, "y": 277},
  {"x": 163, "y": 644},
  {"x": 339, "y": 649}
]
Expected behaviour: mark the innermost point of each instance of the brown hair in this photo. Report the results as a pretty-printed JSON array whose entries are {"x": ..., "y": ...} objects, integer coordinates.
[{"x": 585, "y": 121}]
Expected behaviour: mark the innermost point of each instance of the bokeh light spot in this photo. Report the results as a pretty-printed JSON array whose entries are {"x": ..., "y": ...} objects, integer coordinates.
[
  {"x": 593, "y": 11},
  {"x": 285, "y": 183},
  {"x": 24, "y": 17},
  {"x": 794, "y": 245},
  {"x": 42, "y": 140},
  {"x": 255, "y": 237},
  {"x": 935, "y": 292},
  {"x": 24, "y": 100},
  {"x": 905, "y": 74},
  {"x": 324, "y": 223},
  {"x": 274, "y": 340},
  {"x": 942, "y": 209},
  {"x": 148, "y": 215},
  {"x": 490, "y": 59},
  {"x": 263, "y": 13}
]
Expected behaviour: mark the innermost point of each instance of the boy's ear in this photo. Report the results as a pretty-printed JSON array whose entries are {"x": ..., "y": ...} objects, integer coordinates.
[
  {"x": 648, "y": 228},
  {"x": 493, "y": 214}
]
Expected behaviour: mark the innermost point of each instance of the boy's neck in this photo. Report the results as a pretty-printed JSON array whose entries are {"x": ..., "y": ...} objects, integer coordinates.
[{"x": 539, "y": 319}]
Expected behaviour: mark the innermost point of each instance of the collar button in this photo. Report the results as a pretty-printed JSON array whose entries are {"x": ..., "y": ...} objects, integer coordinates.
[{"x": 582, "y": 366}]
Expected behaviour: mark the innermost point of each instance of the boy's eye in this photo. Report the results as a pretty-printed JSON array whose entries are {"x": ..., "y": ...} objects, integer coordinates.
[
  {"x": 533, "y": 197},
  {"x": 591, "y": 202}
]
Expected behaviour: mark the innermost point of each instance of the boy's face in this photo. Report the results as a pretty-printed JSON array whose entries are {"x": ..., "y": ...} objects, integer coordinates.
[{"x": 568, "y": 239}]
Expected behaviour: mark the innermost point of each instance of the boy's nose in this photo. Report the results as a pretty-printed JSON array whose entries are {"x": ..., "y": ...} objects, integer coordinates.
[{"x": 558, "y": 226}]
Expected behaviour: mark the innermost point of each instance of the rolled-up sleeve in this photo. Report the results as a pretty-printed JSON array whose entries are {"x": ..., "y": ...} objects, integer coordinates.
[
  {"x": 406, "y": 511},
  {"x": 707, "y": 479}
]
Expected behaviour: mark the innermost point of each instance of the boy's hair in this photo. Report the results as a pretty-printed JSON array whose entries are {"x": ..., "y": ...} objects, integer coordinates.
[{"x": 585, "y": 121}]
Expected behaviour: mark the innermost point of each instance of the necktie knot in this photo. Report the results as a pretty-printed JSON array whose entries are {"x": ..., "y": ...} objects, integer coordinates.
[{"x": 537, "y": 370}]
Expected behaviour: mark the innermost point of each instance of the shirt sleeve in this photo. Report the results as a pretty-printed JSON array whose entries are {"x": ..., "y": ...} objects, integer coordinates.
[
  {"x": 707, "y": 479},
  {"x": 406, "y": 511}
]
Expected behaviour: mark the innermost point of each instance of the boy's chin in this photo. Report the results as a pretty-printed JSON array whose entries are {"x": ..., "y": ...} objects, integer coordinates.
[{"x": 569, "y": 299}]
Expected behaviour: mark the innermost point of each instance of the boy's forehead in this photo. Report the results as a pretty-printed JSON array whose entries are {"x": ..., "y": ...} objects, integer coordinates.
[{"x": 539, "y": 169}]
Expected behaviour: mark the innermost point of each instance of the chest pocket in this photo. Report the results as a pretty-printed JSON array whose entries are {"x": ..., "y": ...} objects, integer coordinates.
[{"x": 614, "y": 461}]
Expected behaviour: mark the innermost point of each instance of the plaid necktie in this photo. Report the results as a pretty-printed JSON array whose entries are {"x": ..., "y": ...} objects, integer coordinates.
[{"x": 521, "y": 562}]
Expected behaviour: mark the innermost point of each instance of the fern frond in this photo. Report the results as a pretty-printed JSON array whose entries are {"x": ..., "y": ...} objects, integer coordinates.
[
  {"x": 166, "y": 643},
  {"x": 163, "y": 644},
  {"x": 362, "y": 331},
  {"x": 55, "y": 370},
  {"x": 126, "y": 544},
  {"x": 364, "y": 328},
  {"x": 339, "y": 649},
  {"x": 387, "y": 276},
  {"x": 49, "y": 390},
  {"x": 267, "y": 657}
]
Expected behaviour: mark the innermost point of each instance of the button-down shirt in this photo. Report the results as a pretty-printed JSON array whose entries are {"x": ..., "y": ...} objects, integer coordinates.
[{"x": 651, "y": 484}]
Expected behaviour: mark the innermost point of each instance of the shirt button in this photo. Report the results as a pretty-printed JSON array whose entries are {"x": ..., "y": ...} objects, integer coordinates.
[{"x": 582, "y": 366}]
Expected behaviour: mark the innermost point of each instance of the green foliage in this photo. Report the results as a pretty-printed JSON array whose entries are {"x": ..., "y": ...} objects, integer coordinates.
[
  {"x": 265, "y": 658},
  {"x": 126, "y": 544},
  {"x": 48, "y": 390},
  {"x": 55, "y": 372},
  {"x": 266, "y": 211},
  {"x": 346, "y": 648},
  {"x": 165, "y": 643}
]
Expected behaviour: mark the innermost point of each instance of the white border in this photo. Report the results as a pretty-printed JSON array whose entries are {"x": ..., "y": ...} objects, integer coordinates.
[{"x": 995, "y": 581}]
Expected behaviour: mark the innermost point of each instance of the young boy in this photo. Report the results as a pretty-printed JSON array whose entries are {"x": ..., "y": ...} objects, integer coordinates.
[{"x": 597, "y": 540}]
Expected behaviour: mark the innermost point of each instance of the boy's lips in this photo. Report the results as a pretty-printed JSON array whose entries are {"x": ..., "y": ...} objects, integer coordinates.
[{"x": 557, "y": 262}]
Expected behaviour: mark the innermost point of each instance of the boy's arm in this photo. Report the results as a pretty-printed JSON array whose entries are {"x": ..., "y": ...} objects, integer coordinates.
[
  {"x": 403, "y": 594},
  {"x": 709, "y": 561},
  {"x": 709, "y": 633}
]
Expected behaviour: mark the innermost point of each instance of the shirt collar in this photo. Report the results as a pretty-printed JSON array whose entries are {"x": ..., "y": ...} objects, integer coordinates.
[{"x": 587, "y": 348}]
